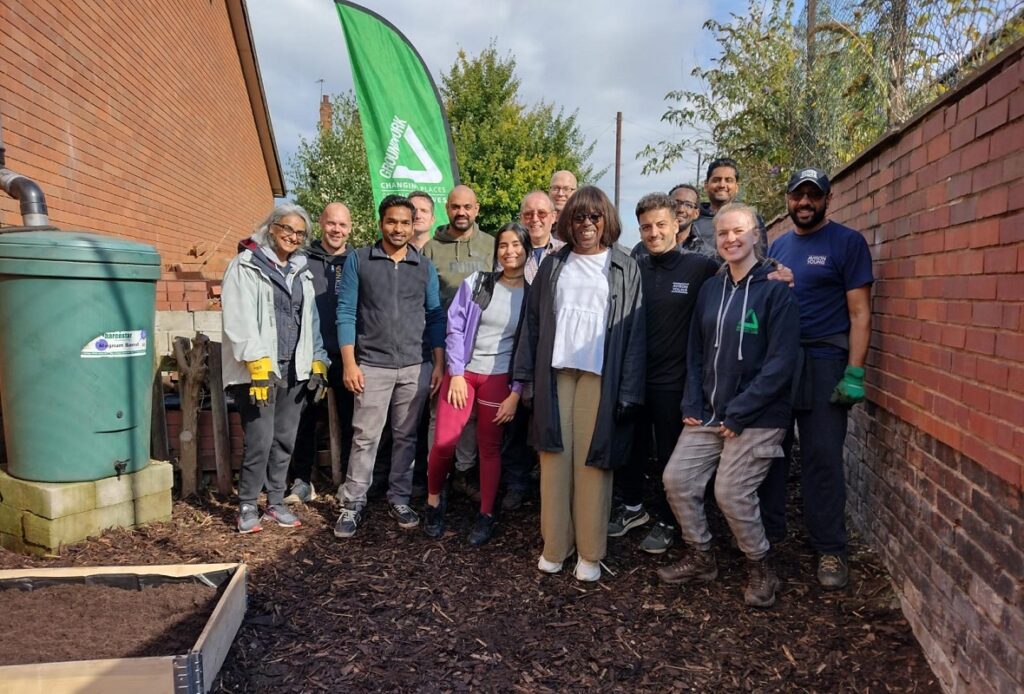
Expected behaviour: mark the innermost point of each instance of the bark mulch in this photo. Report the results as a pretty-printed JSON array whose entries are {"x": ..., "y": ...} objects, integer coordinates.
[{"x": 392, "y": 610}]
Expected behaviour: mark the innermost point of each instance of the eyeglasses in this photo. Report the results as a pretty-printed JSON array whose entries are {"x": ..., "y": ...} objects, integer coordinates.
[
  {"x": 813, "y": 195},
  {"x": 594, "y": 218},
  {"x": 562, "y": 189},
  {"x": 531, "y": 214},
  {"x": 289, "y": 231},
  {"x": 687, "y": 204}
]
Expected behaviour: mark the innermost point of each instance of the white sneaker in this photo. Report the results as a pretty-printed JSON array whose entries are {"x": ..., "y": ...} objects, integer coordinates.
[
  {"x": 548, "y": 567},
  {"x": 587, "y": 570}
]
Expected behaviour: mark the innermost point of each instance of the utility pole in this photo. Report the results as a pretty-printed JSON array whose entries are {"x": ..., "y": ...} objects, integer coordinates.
[
  {"x": 618, "y": 154},
  {"x": 811, "y": 85}
]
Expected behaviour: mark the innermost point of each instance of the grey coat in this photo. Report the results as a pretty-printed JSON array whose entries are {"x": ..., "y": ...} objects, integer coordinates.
[{"x": 625, "y": 350}]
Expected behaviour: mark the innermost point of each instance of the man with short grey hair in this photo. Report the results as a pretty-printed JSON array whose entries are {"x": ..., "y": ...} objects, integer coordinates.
[
  {"x": 537, "y": 214},
  {"x": 563, "y": 185}
]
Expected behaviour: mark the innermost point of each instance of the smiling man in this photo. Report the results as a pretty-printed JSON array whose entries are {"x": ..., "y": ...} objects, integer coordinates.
[
  {"x": 459, "y": 248},
  {"x": 671, "y": 280},
  {"x": 722, "y": 186},
  {"x": 537, "y": 214},
  {"x": 832, "y": 271},
  {"x": 390, "y": 324}
]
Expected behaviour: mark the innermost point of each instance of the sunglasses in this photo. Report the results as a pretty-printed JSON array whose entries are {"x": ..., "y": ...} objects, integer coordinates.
[{"x": 594, "y": 218}]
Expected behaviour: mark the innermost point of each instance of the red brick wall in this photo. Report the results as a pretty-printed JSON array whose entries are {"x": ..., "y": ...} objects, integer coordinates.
[
  {"x": 135, "y": 120},
  {"x": 934, "y": 460}
]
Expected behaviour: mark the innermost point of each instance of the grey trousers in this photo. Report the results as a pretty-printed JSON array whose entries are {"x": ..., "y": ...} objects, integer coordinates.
[
  {"x": 269, "y": 434},
  {"x": 742, "y": 464},
  {"x": 402, "y": 392}
]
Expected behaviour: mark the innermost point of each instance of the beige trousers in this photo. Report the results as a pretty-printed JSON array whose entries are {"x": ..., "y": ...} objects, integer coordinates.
[{"x": 575, "y": 499}]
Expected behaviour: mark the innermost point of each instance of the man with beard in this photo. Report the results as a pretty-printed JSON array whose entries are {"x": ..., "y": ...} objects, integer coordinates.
[
  {"x": 459, "y": 249},
  {"x": 722, "y": 186},
  {"x": 563, "y": 185},
  {"x": 831, "y": 265},
  {"x": 390, "y": 328},
  {"x": 326, "y": 260},
  {"x": 687, "y": 208}
]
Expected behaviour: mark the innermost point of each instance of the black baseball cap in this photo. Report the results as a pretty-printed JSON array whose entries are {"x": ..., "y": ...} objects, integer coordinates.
[{"x": 815, "y": 176}]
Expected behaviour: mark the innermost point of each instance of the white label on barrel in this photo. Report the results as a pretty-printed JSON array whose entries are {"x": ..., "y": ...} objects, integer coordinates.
[{"x": 116, "y": 345}]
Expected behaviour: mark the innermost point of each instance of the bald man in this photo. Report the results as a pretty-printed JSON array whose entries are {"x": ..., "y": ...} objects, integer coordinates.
[
  {"x": 563, "y": 185},
  {"x": 459, "y": 248},
  {"x": 327, "y": 257}
]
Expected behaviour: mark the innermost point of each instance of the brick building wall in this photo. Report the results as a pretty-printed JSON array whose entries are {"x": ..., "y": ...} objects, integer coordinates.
[
  {"x": 934, "y": 458},
  {"x": 135, "y": 119}
]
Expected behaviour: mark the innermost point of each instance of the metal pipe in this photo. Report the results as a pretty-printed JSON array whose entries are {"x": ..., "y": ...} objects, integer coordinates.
[{"x": 26, "y": 191}]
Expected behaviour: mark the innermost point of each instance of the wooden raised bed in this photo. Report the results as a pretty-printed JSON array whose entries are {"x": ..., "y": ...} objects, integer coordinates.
[{"x": 189, "y": 672}]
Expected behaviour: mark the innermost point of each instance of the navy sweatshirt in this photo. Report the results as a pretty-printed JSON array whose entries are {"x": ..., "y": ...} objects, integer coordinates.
[{"x": 744, "y": 344}]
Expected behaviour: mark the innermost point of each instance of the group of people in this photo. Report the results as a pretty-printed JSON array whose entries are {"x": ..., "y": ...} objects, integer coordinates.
[{"x": 684, "y": 361}]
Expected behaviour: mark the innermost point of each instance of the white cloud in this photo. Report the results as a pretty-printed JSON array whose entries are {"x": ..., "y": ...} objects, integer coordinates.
[{"x": 596, "y": 57}]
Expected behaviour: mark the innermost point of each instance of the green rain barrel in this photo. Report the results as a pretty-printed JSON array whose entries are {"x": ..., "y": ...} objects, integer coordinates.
[{"x": 76, "y": 353}]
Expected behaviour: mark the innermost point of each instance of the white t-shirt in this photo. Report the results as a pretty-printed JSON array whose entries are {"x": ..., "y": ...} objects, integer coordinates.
[{"x": 581, "y": 309}]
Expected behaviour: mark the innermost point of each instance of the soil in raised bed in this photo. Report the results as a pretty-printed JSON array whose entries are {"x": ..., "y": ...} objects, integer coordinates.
[{"x": 75, "y": 621}]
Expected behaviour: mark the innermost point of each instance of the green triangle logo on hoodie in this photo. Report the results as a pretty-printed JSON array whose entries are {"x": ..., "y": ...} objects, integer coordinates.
[{"x": 749, "y": 324}]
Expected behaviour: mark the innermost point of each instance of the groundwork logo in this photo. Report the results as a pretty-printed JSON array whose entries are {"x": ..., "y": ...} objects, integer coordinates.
[{"x": 401, "y": 132}]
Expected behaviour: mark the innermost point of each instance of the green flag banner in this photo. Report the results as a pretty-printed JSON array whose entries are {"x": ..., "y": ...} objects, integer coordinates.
[{"x": 408, "y": 140}]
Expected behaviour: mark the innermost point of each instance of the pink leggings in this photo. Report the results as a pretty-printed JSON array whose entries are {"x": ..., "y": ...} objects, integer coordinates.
[{"x": 485, "y": 393}]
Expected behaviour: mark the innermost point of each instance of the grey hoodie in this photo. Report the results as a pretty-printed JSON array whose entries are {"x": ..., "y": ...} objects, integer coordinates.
[{"x": 457, "y": 259}]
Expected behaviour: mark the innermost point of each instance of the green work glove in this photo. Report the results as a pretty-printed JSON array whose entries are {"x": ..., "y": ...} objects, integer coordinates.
[
  {"x": 261, "y": 391},
  {"x": 850, "y": 390},
  {"x": 318, "y": 380}
]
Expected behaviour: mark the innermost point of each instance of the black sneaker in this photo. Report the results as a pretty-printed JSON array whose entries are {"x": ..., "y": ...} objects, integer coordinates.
[
  {"x": 483, "y": 530},
  {"x": 406, "y": 517},
  {"x": 513, "y": 499},
  {"x": 348, "y": 521},
  {"x": 762, "y": 583},
  {"x": 623, "y": 520},
  {"x": 433, "y": 520},
  {"x": 833, "y": 573},
  {"x": 659, "y": 539}
]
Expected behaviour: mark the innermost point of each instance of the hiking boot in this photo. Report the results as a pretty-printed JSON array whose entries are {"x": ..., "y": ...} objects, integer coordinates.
[
  {"x": 623, "y": 520},
  {"x": 659, "y": 539},
  {"x": 483, "y": 529},
  {"x": 348, "y": 521},
  {"x": 833, "y": 573},
  {"x": 587, "y": 570},
  {"x": 248, "y": 519},
  {"x": 762, "y": 582},
  {"x": 406, "y": 517},
  {"x": 433, "y": 520},
  {"x": 280, "y": 514},
  {"x": 302, "y": 492},
  {"x": 548, "y": 567},
  {"x": 696, "y": 565},
  {"x": 513, "y": 499}
]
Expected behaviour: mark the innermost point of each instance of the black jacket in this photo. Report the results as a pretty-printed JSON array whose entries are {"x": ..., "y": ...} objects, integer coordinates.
[
  {"x": 622, "y": 380},
  {"x": 326, "y": 269},
  {"x": 743, "y": 351}
]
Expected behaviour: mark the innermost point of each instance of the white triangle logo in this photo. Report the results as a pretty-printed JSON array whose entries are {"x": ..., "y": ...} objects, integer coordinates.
[{"x": 390, "y": 168}]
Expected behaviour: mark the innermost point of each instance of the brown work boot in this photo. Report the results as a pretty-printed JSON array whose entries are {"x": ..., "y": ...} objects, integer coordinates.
[
  {"x": 761, "y": 583},
  {"x": 696, "y": 565}
]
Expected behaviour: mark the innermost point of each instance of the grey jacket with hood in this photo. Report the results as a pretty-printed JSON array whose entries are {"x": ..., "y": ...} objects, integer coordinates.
[
  {"x": 625, "y": 353},
  {"x": 249, "y": 319}
]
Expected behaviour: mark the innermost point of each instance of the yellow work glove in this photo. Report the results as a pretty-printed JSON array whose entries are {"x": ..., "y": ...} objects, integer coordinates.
[
  {"x": 318, "y": 381},
  {"x": 261, "y": 391}
]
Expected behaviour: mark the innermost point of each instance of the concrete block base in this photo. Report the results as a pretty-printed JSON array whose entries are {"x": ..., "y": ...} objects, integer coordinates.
[{"x": 39, "y": 517}]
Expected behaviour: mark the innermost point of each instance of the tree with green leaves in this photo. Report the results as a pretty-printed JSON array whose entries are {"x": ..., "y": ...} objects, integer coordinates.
[
  {"x": 506, "y": 149},
  {"x": 333, "y": 167}
]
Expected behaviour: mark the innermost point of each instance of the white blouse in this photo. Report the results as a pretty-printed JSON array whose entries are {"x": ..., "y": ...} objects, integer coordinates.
[{"x": 581, "y": 309}]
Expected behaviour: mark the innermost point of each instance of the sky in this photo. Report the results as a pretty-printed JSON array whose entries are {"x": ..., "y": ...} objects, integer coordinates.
[{"x": 595, "y": 57}]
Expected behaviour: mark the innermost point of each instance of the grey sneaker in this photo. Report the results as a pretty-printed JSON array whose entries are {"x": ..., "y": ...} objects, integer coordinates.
[
  {"x": 348, "y": 521},
  {"x": 761, "y": 584},
  {"x": 406, "y": 517},
  {"x": 302, "y": 492},
  {"x": 833, "y": 573},
  {"x": 623, "y": 520},
  {"x": 248, "y": 519},
  {"x": 659, "y": 539},
  {"x": 280, "y": 514}
]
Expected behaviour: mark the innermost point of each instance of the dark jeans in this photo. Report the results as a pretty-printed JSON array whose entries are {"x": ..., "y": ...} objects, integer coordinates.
[
  {"x": 269, "y": 434},
  {"x": 517, "y": 458},
  {"x": 822, "y": 431},
  {"x": 304, "y": 456},
  {"x": 660, "y": 421}
]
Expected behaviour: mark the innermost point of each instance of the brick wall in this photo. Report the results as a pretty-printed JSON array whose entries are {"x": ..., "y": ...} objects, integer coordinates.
[
  {"x": 135, "y": 120},
  {"x": 934, "y": 460}
]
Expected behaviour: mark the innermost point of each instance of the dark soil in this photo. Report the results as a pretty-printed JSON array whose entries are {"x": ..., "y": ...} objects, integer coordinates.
[
  {"x": 76, "y": 621},
  {"x": 392, "y": 610}
]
